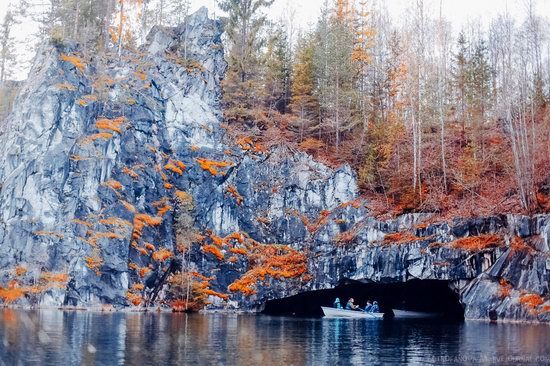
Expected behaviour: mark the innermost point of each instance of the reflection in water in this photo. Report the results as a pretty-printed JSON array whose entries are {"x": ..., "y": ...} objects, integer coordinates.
[{"x": 74, "y": 338}]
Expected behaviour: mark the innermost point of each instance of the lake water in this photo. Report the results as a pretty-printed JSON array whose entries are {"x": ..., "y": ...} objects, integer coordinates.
[{"x": 87, "y": 338}]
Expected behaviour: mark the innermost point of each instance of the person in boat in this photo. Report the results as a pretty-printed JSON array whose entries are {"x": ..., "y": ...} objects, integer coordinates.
[
  {"x": 351, "y": 305},
  {"x": 337, "y": 304},
  {"x": 368, "y": 306},
  {"x": 374, "y": 308}
]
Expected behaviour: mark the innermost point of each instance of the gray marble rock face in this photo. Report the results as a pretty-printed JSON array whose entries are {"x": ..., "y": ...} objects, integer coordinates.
[{"x": 60, "y": 209}]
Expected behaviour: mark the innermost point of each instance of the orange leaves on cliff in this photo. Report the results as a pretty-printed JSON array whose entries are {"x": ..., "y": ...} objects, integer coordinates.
[
  {"x": 213, "y": 250},
  {"x": 150, "y": 247},
  {"x": 400, "y": 238},
  {"x": 110, "y": 124},
  {"x": 113, "y": 184},
  {"x": 312, "y": 226},
  {"x": 116, "y": 221},
  {"x": 130, "y": 172},
  {"x": 477, "y": 243},
  {"x": 12, "y": 293},
  {"x": 82, "y": 222},
  {"x": 20, "y": 270},
  {"x": 87, "y": 99},
  {"x": 128, "y": 206},
  {"x": 134, "y": 298},
  {"x": 183, "y": 197},
  {"x": 531, "y": 300},
  {"x": 75, "y": 61},
  {"x": 277, "y": 261},
  {"x": 198, "y": 294},
  {"x": 94, "y": 263},
  {"x": 211, "y": 165},
  {"x": 233, "y": 191},
  {"x": 505, "y": 288},
  {"x": 65, "y": 86},
  {"x": 97, "y": 136},
  {"x": 162, "y": 254},
  {"x": 142, "y": 220},
  {"x": 49, "y": 233},
  {"x": 242, "y": 251},
  {"x": 176, "y": 169}
]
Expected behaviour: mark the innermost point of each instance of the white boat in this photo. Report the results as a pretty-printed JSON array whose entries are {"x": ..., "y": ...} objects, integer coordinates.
[
  {"x": 405, "y": 314},
  {"x": 342, "y": 313}
]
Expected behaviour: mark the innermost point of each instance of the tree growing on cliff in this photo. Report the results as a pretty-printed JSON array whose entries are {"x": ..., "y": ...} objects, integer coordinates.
[
  {"x": 242, "y": 87},
  {"x": 7, "y": 46}
]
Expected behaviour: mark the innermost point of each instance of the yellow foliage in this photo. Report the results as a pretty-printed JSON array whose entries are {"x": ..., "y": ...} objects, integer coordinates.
[{"x": 75, "y": 61}]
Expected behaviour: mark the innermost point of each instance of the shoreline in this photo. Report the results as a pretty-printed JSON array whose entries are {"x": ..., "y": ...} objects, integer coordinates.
[{"x": 95, "y": 309}]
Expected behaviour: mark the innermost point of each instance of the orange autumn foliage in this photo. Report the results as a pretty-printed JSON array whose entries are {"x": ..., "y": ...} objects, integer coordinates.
[
  {"x": 164, "y": 209},
  {"x": 213, "y": 250},
  {"x": 233, "y": 191},
  {"x": 143, "y": 271},
  {"x": 242, "y": 251},
  {"x": 110, "y": 124},
  {"x": 173, "y": 168},
  {"x": 531, "y": 300},
  {"x": 133, "y": 298},
  {"x": 211, "y": 165},
  {"x": 477, "y": 243},
  {"x": 97, "y": 136},
  {"x": 277, "y": 261},
  {"x": 138, "y": 286},
  {"x": 162, "y": 255},
  {"x": 75, "y": 61},
  {"x": 113, "y": 184},
  {"x": 130, "y": 172},
  {"x": 150, "y": 247},
  {"x": 505, "y": 288},
  {"x": 400, "y": 238},
  {"x": 128, "y": 206},
  {"x": 20, "y": 270},
  {"x": 82, "y": 222}
]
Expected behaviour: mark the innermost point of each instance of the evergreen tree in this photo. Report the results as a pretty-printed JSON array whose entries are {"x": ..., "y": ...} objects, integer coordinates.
[{"x": 242, "y": 87}]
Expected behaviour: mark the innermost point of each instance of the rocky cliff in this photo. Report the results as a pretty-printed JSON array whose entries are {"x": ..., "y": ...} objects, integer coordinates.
[{"x": 118, "y": 172}]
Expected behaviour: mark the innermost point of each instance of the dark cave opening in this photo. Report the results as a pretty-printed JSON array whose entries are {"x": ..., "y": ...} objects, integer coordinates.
[{"x": 414, "y": 295}]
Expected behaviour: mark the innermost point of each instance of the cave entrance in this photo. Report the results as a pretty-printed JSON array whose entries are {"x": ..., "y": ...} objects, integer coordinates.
[{"x": 414, "y": 295}]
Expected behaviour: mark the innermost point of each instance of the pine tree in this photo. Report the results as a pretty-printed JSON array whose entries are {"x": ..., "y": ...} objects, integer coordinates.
[
  {"x": 305, "y": 103},
  {"x": 242, "y": 87},
  {"x": 277, "y": 69}
]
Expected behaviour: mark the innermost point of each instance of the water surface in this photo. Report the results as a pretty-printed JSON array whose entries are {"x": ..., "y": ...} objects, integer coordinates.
[{"x": 87, "y": 338}]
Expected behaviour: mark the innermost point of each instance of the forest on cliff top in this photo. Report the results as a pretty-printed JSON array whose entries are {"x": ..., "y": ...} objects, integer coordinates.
[{"x": 432, "y": 118}]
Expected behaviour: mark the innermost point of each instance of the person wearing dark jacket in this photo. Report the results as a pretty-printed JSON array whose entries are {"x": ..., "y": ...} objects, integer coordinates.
[
  {"x": 368, "y": 306},
  {"x": 374, "y": 308}
]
